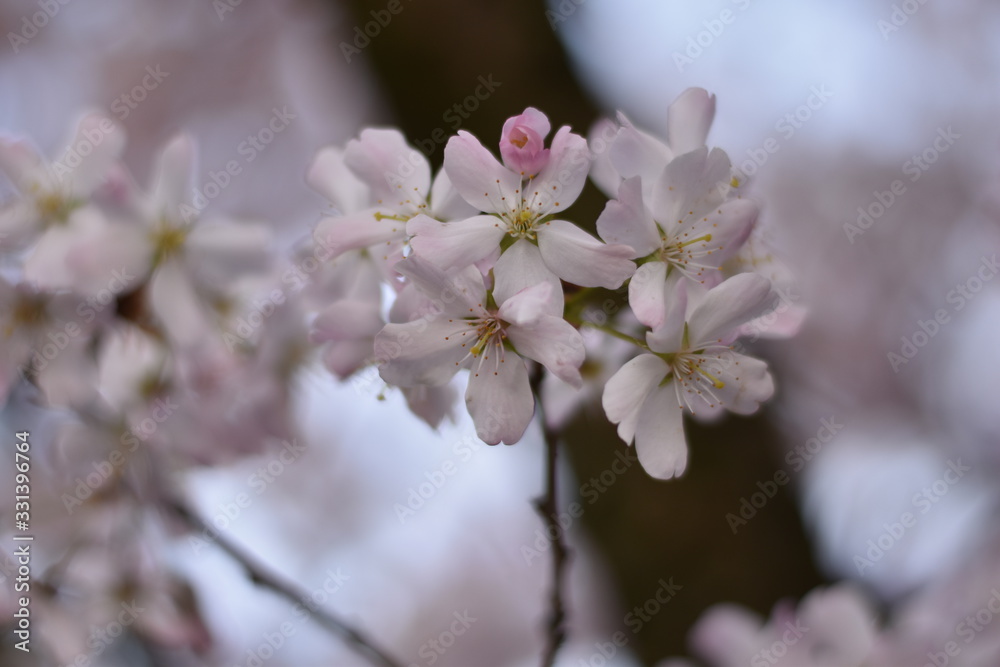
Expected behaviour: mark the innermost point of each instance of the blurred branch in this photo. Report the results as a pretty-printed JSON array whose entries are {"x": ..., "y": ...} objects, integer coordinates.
[
  {"x": 262, "y": 576},
  {"x": 547, "y": 507}
]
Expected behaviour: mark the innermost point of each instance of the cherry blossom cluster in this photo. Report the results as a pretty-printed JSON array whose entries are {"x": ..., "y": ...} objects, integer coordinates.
[
  {"x": 125, "y": 324},
  {"x": 485, "y": 273}
]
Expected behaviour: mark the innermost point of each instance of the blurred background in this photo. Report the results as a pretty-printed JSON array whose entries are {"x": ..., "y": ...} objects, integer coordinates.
[{"x": 822, "y": 107}]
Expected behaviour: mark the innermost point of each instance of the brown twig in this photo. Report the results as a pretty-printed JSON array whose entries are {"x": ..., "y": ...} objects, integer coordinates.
[
  {"x": 548, "y": 509},
  {"x": 262, "y": 576}
]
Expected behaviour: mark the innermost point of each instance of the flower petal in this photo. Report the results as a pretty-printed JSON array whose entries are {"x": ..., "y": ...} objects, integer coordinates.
[
  {"x": 455, "y": 244},
  {"x": 601, "y": 137},
  {"x": 479, "y": 177},
  {"x": 221, "y": 251},
  {"x": 363, "y": 229},
  {"x": 691, "y": 184},
  {"x": 646, "y": 293},
  {"x": 659, "y": 435},
  {"x": 421, "y": 352},
  {"x": 82, "y": 171},
  {"x": 526, "y": 306},
  {"x": 499, "y": 399},
  {"x": 689, "y": 119},
  {"x": 173, "y": 184},
  {"x": 522, "y": 142},
  {"x": 627, "y": 389},
  {"x": 346, "y": 320},
  {"x": 462, "y": 293},
  {"x": 554, "y": 343},
  {"x": 727, "y": 306},
  {"x": 176, "y": 304},
  {"x": 562, "y": 180},
  {"x": 521, "y": 266},
  {"x": 747, "y": 383},
  {"x": 447, "y": 202},
  {"x": 627, "y": 220},
  {"x": 393, "y": 170},
  {"x": 636, "y": 153},
  {"x": 329, "y": 176},
  {"x": 579, "y": 258}
]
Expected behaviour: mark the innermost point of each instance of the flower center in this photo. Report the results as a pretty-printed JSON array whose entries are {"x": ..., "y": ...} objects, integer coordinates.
[
  {"x": 684, "y": 253},
  {"x": 168, "y": 240}
]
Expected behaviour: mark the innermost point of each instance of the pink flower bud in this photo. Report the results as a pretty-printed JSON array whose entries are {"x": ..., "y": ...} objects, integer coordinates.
[{"x": 522, "y": 143}]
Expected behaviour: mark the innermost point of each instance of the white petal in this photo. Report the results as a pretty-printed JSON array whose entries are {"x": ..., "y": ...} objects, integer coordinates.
[
  {"x": 528, "y": 305},
  {"x": 447, "y": 202},
  {"x": 554, "y": 343},
  {"x": 357, "y": 230},
  {"x": 521, "y": 266},
  {"x": 173, "y": 183},
  {"x": 346, "y": 320},
  {"x": 691, "y": 184},
  {"x": 94, "y": 149},
  {"x": 24, "y": 166},
  {"x": 51, "y": 265},
  {"x": 393, "y": 170},
  {"x": 689, "y": 120},
  {"x": 328, "y": 175},
  {"x": 176, "y": 304},
  {"x": 220, "y": 252},
  {"x": 636, "y": 153},
  {"x": 422, "y": 352},
  {"x": 432, "y": 404},
  {"x": 659, "y": 434},
  {"x": 747, "y": 383},
  {"x": 455, "y": 244},
  {"x": 668, "y": 336},
  {"x": 462, "y": 293},
  {"x": 627, "y": 220},
  {"x": 479, "y": 176},
  {"x": 627, "y": 389},
  {"x": 727, "y": 306},
  {"x": 562, "y": 180},
  {"x": 601, "y": 137},
  {"x": 646, "y": 294},
  {"x": 18, "y": 226},
  {"x": 344, "y": 358},
  {"x": 579, "y": 258},
  {"x": 499, "y": 399}
]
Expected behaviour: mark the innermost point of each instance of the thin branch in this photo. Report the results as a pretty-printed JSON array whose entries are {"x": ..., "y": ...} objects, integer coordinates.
[
  {"x": 547, "y": 507},
  {"x": 261, "y": 576}
]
